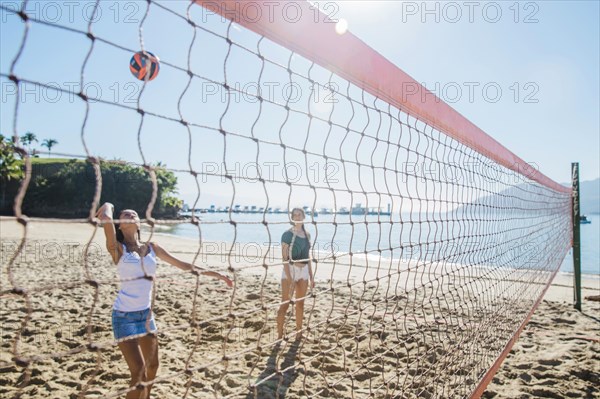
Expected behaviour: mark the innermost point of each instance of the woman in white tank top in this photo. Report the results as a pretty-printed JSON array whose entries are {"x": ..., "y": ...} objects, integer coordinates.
[{"x": 134, "y": 326}]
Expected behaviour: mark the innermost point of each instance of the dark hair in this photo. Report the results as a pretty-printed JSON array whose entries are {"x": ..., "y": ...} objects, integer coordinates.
[
  {"x": 119, "y": 234},
  {"x": 303, "y": 214},
  {"x": 306, "y": 234},
  {"x": 297, "y": 209}
]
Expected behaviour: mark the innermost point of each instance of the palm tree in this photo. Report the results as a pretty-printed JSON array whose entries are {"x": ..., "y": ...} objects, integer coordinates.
[
  {"x": 10, "y": 139},
  {"x": 29, "y": 138},
  {"x": 10, "y": 167},
  {"x": 49, "y": 143}
]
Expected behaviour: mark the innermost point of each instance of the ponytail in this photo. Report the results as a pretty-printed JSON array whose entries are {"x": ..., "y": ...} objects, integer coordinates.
[
  {"x": 306, "y": 233},
  {"x": 294, "y": 232}
]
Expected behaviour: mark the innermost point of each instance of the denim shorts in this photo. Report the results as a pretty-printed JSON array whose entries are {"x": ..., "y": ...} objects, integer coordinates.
[{"x": 126, "y": 324}]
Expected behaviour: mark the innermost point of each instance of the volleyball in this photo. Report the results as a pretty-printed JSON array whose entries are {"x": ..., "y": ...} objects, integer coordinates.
[{"x": 144, "y": 65}]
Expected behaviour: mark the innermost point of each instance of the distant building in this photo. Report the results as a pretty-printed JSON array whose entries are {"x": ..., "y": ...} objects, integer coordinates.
[{"x": 359, "y": 210}]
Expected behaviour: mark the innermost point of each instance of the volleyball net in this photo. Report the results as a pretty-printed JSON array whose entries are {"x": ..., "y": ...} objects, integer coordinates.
[{"x": 432, "y": 244}]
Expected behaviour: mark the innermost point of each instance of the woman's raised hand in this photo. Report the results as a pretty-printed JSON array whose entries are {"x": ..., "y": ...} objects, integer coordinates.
[{"x": 105, "y": 212}]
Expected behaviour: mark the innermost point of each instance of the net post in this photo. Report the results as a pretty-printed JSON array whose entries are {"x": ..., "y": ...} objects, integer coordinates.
[{"x": 576, "y": 236}]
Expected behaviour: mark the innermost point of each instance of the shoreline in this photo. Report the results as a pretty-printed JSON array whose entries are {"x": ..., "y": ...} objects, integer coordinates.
[
  {"x": 366, "y": 317},
  {"x": 171, "y": 237},
  {"x": 361, "y": 256}
]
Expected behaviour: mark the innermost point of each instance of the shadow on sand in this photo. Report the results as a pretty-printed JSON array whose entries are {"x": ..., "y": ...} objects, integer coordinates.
[{"x": 276, "y": 385}]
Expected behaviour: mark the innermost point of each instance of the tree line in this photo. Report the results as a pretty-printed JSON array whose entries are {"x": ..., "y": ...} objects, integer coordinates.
[{"x": 64, "y": 188}]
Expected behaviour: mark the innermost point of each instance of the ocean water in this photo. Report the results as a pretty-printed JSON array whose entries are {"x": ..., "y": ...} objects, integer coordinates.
[
  {"x": 590, "y": 248},
  {"x": 410, "y": 238}
]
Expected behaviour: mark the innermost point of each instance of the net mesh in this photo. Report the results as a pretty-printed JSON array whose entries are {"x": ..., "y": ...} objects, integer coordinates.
[{"x": 427, "y": 258}]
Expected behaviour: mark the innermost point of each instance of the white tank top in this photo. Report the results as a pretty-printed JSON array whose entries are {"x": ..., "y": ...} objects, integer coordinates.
[{"x": 136, "y": 290}]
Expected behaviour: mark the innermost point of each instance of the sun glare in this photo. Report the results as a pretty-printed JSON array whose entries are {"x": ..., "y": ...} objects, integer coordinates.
[{"x": 341, "y": 26}]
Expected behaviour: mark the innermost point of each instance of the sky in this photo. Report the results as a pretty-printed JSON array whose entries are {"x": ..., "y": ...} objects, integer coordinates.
[
  {"x": 527, "y": 73},
  {"x": 554, "y": 47}
]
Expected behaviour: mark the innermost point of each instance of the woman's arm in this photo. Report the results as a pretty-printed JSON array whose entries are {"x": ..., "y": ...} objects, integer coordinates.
[
  {"x": 310, "y": 274},
  {"x": 105, "y": 214},
  {"x": 285, "y": 255},
  {"x": 167, "y": 257},
  {"x": 310, "y": 271}
]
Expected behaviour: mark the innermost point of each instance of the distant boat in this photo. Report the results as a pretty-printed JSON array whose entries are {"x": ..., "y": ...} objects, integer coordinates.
[
  {"x": 584, "y": 220},
  {"x": 359, "y": 210},
  {"x": 308, "y": 211}
]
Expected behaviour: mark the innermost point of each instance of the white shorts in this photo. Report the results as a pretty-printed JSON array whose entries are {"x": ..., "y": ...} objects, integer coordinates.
[{"x": 297, "y": 272}]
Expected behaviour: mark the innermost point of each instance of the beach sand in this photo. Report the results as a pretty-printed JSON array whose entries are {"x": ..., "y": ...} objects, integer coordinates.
[
  {"x": 370, "y": 335},
  {"x": 558, "y": 353}
]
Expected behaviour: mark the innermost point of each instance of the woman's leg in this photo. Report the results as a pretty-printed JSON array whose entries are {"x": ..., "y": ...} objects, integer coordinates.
[
  {"x": 286, "y": 288},
  {"x": 135, "y": 361},
  {"x": 301, "y": 288},
  {"x": 149, "y": 345}
]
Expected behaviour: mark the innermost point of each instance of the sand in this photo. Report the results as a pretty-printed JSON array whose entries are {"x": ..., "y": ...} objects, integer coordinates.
[
  {"x": 558, "y": 352},
  {"x": 372, "y": 334}
]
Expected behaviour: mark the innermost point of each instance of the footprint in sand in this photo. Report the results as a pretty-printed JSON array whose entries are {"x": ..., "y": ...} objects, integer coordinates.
[
  {"x": 543, "y": 376},
  {"x": 332, "y": 368},
  {"x": 87, "y": 373},
  {"x": 114, "y": 376},
  {"x": 548, "y": 382},
  {"x": 587, "y": 375},
  {"x": 363, "y": 376},
  {"x": 573, "y": 395},
  {"x": 69, "y": 383},
  {"x": 489, "y": 394},
  {"x": 232, "y": 383},
  {"x": 564, "y": 321},
  {"x": 550, "y": 362},
  {"x": 73, "y": 367},
  {"x": 523, "y": 366},
  {"x": 545, "y": 393},
  {"x": 255, "y": 325}
]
